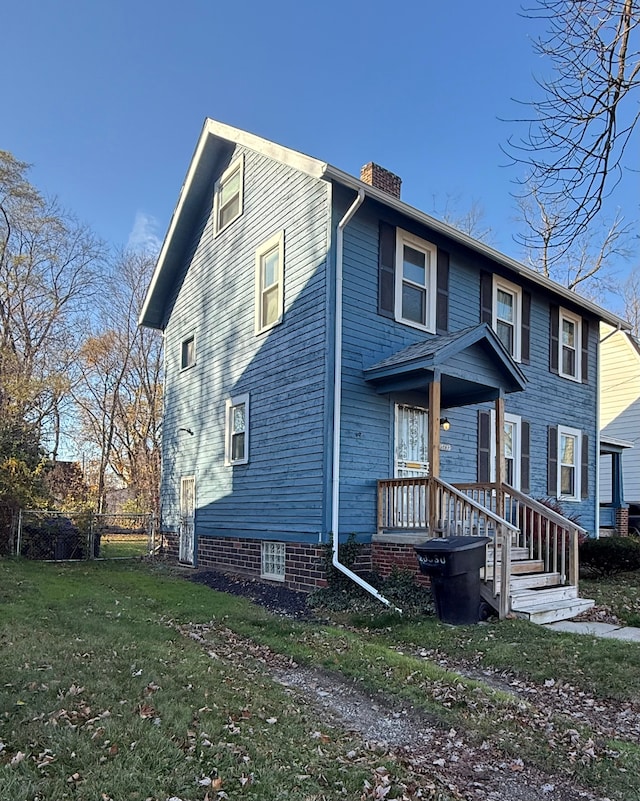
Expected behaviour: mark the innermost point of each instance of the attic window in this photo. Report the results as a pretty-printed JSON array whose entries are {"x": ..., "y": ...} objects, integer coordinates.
[{"x": 228, "y": 195}]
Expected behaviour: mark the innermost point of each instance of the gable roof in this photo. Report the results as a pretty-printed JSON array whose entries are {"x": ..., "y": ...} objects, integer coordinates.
[
  {"x": 417, "y": 365},
  {"x": 216, "y": 136}
]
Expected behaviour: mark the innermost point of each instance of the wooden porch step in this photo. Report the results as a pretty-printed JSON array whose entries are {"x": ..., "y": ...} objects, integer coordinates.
[
  {"x": 531, "y": 580},
  {"x": 525, "y": 598},
  {"x": 551, "y": 611},
  {"x": 517, "y": 554},
  {"x": 519, "y": 568}
]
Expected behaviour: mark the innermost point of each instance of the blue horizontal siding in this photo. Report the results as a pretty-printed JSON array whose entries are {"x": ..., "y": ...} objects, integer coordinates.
[
  {"x": 367, "y": 434},
  {"x": 281, "y": 489}
]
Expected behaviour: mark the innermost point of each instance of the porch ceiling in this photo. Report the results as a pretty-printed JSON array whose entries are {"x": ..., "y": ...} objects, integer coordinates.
[{"x": 472, "y": 366}]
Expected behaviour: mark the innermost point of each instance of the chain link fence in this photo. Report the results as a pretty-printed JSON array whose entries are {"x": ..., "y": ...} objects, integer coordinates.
[{"x": 58, "y": 536}]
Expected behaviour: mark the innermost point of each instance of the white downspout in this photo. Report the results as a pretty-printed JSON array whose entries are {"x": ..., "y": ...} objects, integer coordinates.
[{"x": 337, "y": 405}]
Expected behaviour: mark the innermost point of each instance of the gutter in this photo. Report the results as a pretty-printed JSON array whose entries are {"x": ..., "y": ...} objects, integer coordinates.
[{"x": 337, "y": 405}]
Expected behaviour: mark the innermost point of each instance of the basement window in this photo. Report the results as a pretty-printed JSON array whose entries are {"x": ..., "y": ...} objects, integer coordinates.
[{"x": 273, "y": 561}]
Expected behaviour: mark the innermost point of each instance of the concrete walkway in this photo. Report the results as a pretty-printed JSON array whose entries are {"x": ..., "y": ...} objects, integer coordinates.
[{"x": 607, "y": 630}]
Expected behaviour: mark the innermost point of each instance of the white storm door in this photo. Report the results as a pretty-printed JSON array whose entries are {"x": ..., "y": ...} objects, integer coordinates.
[
  {"x": 411, "y": 442},
  {"x": 187, "y": 518}
]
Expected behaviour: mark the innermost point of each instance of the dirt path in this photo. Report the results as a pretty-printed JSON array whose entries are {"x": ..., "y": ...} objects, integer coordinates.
[{"x": 432, "y": 755}]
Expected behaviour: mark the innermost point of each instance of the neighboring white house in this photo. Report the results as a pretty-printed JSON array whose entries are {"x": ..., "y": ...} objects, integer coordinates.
[{"x": 620, "y": 410}]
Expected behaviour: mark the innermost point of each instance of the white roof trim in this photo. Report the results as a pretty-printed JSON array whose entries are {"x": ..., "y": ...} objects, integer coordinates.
[{"x": 313, "y": 167}]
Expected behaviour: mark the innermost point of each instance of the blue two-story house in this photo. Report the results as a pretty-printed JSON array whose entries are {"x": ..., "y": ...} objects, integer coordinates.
[{"x": 337, "y": 361}]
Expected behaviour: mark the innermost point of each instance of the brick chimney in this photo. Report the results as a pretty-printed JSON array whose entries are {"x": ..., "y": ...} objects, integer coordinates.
[{"x": 375, "y": 175}]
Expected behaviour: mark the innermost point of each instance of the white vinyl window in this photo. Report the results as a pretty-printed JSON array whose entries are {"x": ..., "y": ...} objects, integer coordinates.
[
  {"x": 273, "y": 561},
  {"x": 237, "y": 430},
  {"x": 416, "y": 262},
  {"x": 512, "y": 438},
  {"x": 570, "y": 345},
  {"x": 188, "y": 352},
  {"x": 507, "y": 316},
  {"x": 269, "y": 283},
  {"x": 228, "y": 194},
  {"x": 569, "y": 461}
]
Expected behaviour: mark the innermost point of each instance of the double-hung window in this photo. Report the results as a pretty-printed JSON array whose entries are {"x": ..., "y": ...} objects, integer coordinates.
[
  {"x": 416, "y": 262},
  {"x": 269, "y": 283},
  {"x": 237, "y": 430},
  {"x": 507, "y": 316},
  {"x": 570, "y": 344},
  {"x": 228, "y": 195},
  {"x": 569, "y": 461},
  {"x": 512, "y": 440}
]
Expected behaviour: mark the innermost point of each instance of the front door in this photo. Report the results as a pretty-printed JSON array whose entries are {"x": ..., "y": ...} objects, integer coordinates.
[
  {"x": 187, "y": 515},
  {"x": 411, "y": 442},
  {"x": 411, "y": 461}
]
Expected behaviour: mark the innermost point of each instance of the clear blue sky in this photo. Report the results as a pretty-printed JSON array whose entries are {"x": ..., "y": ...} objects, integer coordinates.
[{"x": 106, "y": 100}]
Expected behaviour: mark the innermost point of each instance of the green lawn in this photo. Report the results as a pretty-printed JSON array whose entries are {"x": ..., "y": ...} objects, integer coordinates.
[
  {"x": 119, "y": 546},
  {"x": 102, "y": 698}
]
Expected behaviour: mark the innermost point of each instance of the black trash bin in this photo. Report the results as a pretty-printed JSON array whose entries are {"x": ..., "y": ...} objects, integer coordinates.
[{"x": 454, "y": 563}]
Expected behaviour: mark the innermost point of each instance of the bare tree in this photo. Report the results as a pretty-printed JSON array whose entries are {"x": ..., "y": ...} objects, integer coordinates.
[
  {"x": 631, "y": 298},
  {"x": 49, "y": 265},
  {"x": 578, "y": 133},
  {"x": 471, "y": 222},
  {"x": 119, "y": 396},
  {"x": 585, "y": 267}
]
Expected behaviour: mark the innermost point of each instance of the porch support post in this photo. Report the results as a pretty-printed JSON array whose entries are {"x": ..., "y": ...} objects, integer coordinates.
[
  {"x": 434, "y": 426},
  {"x": 434, "y": 451},
  {"x": 500, "y": 462}
]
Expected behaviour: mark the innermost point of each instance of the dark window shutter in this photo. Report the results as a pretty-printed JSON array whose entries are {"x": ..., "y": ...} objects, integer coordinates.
[
  {"x": 386, "y": 269},
  {"x": 552, "y": 461},
  {"x": 525, "y": 461},
  {"x": 584, "y": 477},
  {"x": 486, "y": 298},
  {"x": 442, "y": 300},
  {"x": 484, "y": 446},
  {"x": 585, "y": 351},
  {"x": 554, "y": 334},
  {"x": 525, "y": 347}
]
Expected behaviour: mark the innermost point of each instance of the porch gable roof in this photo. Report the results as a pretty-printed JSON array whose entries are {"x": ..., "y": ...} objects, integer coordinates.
[{"x": 472, "y": 365}]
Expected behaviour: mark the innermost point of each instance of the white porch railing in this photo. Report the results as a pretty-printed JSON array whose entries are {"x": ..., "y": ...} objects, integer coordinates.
[
  {"x": 510, "y": 518},
  {"x": 546, "y": 534}
]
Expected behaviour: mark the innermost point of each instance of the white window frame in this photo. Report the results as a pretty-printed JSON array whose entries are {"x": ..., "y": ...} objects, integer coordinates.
[
  {"x": 273, "y": 560},
  {"x": 577, "y": 322},
  {"x": 276, "y": 242},
  {"x": 516, "y": 293},
  {"x": 577, "y": 465},
  {"x": 183, "y": 345},
  {"x": 231, "y": 404},
  {"x": 516, "y": 421},
  {"x": 431, "y": 253},
  {"x": 235, "y": 166}
]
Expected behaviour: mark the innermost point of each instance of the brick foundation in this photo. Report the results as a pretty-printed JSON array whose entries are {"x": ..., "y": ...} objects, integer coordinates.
[
  {"x": 243, "y": 557},
  {"x": 387, "y": 555},
  {"x": 170, "y": 545},
  {"x": 304, "y": 570}
]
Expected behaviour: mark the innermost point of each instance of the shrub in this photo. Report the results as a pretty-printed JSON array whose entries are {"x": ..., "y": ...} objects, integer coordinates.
[{"x": 610, "y": 555}]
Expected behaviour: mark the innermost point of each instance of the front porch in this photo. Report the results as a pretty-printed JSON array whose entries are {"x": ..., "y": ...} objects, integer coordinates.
[{"x": 531, "y": 566}]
